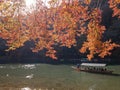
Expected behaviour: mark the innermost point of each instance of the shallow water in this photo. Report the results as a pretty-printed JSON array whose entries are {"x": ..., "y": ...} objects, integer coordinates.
[{"x": 54, "y": 77}]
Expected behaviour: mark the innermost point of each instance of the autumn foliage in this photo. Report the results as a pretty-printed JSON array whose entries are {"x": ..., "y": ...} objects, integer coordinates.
[{"x": 56, "y": 25}]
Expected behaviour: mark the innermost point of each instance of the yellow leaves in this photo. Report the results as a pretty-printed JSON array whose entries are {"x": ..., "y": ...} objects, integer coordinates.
[
  {"x": 52, "y": 1},
  {"x": 2, "y": 6},
  {"x": 7, "y": 8},
  {"x": 87, "y": 1},
  {"x": 40, "y": 44},
  {"x": 55, "y": 37},
  {"x": 14, "y": 43},
  {"x": 117, "y": 1}
]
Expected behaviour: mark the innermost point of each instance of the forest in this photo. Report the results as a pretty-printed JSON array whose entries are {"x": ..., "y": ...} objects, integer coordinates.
[{"x": 90, "y": 26}]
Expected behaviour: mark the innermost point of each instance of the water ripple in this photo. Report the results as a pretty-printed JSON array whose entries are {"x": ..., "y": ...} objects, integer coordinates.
[
  {"x": 26, "y": 88},
  {"x": 29, "y": 66}
]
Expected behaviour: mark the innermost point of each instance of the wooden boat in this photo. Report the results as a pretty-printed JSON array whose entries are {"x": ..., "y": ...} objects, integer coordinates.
[
  {"x": 93, "y": 68},
  {"x": 75, "y": 68}
]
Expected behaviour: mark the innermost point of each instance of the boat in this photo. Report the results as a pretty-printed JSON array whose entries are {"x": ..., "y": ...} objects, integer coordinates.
[
  {"x": 93, "y": 68},
  {"x": 75, "y": 68}
]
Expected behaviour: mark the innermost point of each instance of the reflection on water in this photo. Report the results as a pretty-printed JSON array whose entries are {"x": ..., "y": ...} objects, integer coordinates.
[
  {"x": 2, "y": 67},
  {"x": 28, "y": 66},
  {"x": 30, "y": 76},
  {"x": 92, "y": 87},
  {"x": 7, "y": 75},
  {"x": 26, "y": 88},
  {"x": 54, "y": 77}
]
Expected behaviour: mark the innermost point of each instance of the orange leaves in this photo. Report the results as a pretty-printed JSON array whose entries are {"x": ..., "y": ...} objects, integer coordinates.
[
  {"x": 94, "y": 42},
  {"x": 115, "y": 5},
  {"x": 107, "y": 47},
  {"x": 87, "y": 1},
  {"x": 116, "y": 12},
  {"x": 90, "y": 56},
  {"x": 10, "y": 28},
  {"x": 94, "y": 35},
  {"x": 60, "y": 25},
  {"x": 68, "y": 39},
  {"x": 51, "y": 53},
  {"x": 52, "y": 2},
  {"x": 84, "y": 47},
  {"x": 71, "y": 17}
]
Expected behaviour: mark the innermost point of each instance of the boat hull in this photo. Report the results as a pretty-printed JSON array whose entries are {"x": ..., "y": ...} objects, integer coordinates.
[
  {"x": 75, "y": 68},
  {"x": 93, "y": 71}
]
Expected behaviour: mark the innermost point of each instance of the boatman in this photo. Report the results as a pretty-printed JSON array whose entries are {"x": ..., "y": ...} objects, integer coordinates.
[{"x": 78, "y": 65}]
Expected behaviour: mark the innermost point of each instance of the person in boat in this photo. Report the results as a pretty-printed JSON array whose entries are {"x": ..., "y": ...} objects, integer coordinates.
[{"x": 78, "y": 66}]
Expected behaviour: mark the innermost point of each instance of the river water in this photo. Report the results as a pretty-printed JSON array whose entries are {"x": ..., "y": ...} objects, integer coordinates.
[{"x": 54, "y": 77}]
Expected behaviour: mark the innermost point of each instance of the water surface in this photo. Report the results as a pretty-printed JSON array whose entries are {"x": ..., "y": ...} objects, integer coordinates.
[{"x": 54, "y": 77}]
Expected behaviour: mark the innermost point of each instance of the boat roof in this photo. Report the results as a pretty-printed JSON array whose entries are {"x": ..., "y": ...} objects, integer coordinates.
[{"x": 93, "y": 64}]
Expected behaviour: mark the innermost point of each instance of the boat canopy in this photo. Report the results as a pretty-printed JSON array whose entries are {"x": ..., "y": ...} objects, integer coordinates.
[{"x": 93, "y": 64}]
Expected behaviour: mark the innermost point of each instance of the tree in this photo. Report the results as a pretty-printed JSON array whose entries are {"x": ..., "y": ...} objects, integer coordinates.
[
  {"x": 57, "y": 25},
  {"x": 11, "y": 24},
  {"x": 81, "y": 17}
]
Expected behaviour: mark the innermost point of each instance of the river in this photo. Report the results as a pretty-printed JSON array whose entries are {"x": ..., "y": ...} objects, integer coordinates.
[{"x": 54, "y": 77}]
